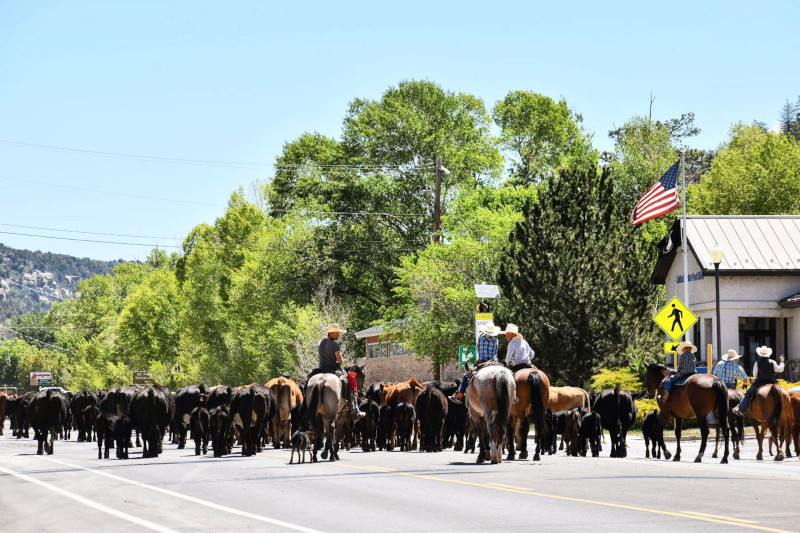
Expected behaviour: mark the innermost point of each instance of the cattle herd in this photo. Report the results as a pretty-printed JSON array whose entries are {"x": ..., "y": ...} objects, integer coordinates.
[{"x": 405, "y": 416}]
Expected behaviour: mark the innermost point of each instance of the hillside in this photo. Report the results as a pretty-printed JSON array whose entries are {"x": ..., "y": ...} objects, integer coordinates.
[{"x": 31, "y": 281}]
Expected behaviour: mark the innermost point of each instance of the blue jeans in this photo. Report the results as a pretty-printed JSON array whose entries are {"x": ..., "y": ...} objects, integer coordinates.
[
  {"x": 463, "y": 387},
  {"x": 670, "y": 382},
  {"x": 748, "y": 393}
]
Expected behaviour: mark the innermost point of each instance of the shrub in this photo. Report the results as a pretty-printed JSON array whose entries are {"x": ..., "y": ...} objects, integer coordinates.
[
  {"x": 608, "y": 378},
  {"x": 645, "y": 405}
]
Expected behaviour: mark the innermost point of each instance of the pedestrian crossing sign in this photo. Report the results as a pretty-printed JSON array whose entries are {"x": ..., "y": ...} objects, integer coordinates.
[
  {"x": 671, "y": 347},
  {"x": 675, "y": 318}
]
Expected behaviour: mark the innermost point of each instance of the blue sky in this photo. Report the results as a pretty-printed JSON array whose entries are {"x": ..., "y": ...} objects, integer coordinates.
[{"x": 234, "y": 81}]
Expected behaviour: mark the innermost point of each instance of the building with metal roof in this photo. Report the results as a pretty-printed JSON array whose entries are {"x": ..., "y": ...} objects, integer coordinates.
[{"x": 759, "y": 282}]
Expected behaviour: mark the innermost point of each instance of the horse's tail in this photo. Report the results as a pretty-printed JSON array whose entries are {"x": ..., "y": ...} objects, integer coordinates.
[
  {"x": 313, "y": 405},
  {"x": 776, "y": 415},
  {"x": 721, "y": 403},
  {"x": 503, "y": 389},
  {"x": 537, "y": 404}
]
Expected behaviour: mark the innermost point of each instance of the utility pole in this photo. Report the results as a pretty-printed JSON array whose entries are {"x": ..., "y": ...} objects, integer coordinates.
[{"x": 437, "y": 208}]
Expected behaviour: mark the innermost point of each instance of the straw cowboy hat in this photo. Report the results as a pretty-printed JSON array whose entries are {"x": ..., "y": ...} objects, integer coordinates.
[
  {"x": 511, "y": 328},
  {"x": 764, "y": 351},
  {"x": 490, "y": 329},
  {"x": 334, "y": 328},
  {"x": 731, "y": 356},
  {"x": 686, "y": 345}
]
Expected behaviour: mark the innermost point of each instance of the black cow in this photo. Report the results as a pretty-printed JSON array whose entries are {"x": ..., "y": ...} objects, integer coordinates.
[
  {"x": 404, "y": 420},
  {"x": 80, "y": 401},
  {"x": 89, "y": 417},
  {"x": 591, "y": 432},
  {"x": 374, "y": 391},
  {"x": 554, "y": 424},
  {"x": 653, "y": 432},
  {"x": 186, "y": 400},
  {"x": 219, "y": 427},
  {"x": 251, "y": 407},
  {"x": 199, "y": 421},
  {"x": 112, "y": 429},
  {"x": 431, "y": 409},
  {"x": 385, "y": 423},
  {"x": 618, "y": 413},
  {"x": 220, "y": 395},
  {"x": 367, "y": 427},
  {"x": 47, "y": 413},
  {"x": 149, "y": 412},
  {"x": 16, "y": 410}
]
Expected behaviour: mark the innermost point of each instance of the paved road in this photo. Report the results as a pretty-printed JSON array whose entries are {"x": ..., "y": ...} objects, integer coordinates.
[{"x": 390, "y": 491}]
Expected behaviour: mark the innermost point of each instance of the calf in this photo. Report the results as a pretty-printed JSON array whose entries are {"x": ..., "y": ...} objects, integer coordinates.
[
  {"x": 368, "y": 426},
  {"x": 653, "y": 432},
  {"x": 404, "y": 421},
  {"x": 384, "y": 432},
  {"x": 591, "y": 431},
  {"x": 431, "y": 408},
  {"x": 572, "y": 431},
  {"x": 89, "y": 416},
  {"x": 301, "y": 442},
  {"x": 199, "y": 421},
  {"x": 113, "y": 429},
  {"x": 220, "y": 429}
]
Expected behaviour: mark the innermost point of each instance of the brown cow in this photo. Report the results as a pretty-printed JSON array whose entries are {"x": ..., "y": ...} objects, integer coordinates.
[
  {"x": 403, "y": 392},
  {"x": 564, "y": 398},
  {"x": 287, "y": 396}
]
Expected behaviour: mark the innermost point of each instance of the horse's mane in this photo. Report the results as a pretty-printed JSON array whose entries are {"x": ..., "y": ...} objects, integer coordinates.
[{"x": 656, "y": 366}]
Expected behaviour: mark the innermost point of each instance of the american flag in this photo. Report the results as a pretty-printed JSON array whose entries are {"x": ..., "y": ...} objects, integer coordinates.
[{"x": 660, "y": 199}]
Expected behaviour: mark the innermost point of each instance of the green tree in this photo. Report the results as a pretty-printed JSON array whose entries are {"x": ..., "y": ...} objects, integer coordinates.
[
  {"x": 541, "y": 135},
  {"x": 754, "y": 173},
  {"x": 577, "y": 276}
]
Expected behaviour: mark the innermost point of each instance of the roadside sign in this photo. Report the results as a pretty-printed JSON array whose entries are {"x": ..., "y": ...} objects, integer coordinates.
[
  {"x": 467, "y": 354},
  {"x": 480, "y": 320},
  {"x": 487, "y": 291},
  {"x": 675, "y": 318},
  {"x": 671, "y": 347},
  {"x": 175, "y": 370},
  {"x": 45, "y": 382},
  {"x": 142, "y": 377},
  {"x": 41, "y": 375}
]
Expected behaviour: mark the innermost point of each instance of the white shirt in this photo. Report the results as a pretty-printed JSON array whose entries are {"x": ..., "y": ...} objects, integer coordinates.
[
  {"x": 519, "y": 352},
  {"x": 777, "y": 366}
]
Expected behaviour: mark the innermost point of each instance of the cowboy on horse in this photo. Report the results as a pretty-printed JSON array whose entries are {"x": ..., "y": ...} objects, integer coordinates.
[
  {"x": 487, "y": 353},
  {"x": 729, "y": 371},
  {"x": 519, "y": 353},
  {"x": 331, "y": 362},
  {"x": 687, "y": 365},
  {"x": 764, "y": 373}
]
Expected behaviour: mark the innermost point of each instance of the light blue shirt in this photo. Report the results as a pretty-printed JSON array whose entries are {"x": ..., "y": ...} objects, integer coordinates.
[{"x": 519, "y": 352}]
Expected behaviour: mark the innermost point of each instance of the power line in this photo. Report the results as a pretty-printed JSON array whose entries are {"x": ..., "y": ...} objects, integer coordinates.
[
  {"x": 36, "y": 289},
  {"x": 98, "y": 191},
  {"x": 217, "y": 248},
  {"x": 37, "y": 340},
  {"x": 84, "y": 232},
  {"x": 203, "y": 162}
]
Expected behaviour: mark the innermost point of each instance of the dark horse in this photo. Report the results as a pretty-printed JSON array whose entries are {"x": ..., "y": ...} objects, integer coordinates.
[
  {"x": 768, "y": 409},
  {"x": 698, "y": 397},
  {"x": 735, "y": 423}
]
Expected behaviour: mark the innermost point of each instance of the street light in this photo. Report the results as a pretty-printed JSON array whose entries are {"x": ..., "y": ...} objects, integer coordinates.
[{"x": 716, "y": 254}]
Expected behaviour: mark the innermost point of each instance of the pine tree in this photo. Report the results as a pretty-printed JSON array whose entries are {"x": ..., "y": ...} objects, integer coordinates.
[{"x": 577, "y": 277}]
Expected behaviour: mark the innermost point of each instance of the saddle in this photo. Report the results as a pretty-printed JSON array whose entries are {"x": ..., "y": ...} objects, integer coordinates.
[{"x": 473, "y": 371}]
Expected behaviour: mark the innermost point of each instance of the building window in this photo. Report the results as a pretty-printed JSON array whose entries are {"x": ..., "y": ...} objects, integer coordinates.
[{"x": 375, "y": 350}]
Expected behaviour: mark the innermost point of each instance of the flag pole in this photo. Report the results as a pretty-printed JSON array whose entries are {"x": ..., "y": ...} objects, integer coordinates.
[{"x": 684, "y": 249}]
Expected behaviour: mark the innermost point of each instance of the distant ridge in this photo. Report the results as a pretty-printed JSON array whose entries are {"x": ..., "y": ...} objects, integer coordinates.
[{"x": 32, "y": 281}]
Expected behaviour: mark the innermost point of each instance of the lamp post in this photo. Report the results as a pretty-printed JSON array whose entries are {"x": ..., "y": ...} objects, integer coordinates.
[{"x": 716, "y": 254}]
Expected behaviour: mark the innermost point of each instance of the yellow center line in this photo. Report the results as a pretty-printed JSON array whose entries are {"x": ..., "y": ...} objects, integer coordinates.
[
  {"x": 693, "y": 516},
  {"x": 722, "y": 517},
  {"x": 509, "y": 486}
]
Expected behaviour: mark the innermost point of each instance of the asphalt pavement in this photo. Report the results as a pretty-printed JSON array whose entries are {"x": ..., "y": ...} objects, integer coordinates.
[{"x": 391, "y": 491}]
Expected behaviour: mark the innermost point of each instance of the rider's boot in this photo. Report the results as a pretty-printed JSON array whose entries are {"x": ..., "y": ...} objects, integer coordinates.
[{"x": 357, "y": 414}]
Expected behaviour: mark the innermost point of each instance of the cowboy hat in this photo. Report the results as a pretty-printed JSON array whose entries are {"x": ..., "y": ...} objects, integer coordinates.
[
  {"x": 511, "y": 328},
  {"x": 683, "y": 345},
  {"x": 731, "y": 356},
  {"x": 334, "y": 328},
  {"x": 490, "y": 329},
  {"x": 764, "y": 351}
]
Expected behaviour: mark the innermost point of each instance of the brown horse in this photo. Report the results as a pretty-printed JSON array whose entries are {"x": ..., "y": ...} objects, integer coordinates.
[
  {"x": 735, "y": 423},
  {"x": 490, "y": 396},
  {"x": 533, "y": 391},
  {"x": 766, "y": 410},
  {"x": 701, "y": 394}
]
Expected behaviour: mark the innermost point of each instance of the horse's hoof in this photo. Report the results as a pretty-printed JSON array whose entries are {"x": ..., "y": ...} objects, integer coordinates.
[
  {"x": 667, "y": 455},
  {"x": 759, "y": 456},
  {"x": 698, "y": 459},
  {"x": 536, "y": 457},
  {"x": 480, "y": 459},
  {"x": 324, "y": 455},
  {"x": 714, "y": 455},
  {"x": 724, "y": 461},
  {"x": 494, "y": 461},
  {"x": 736, "y": 455},
  {"x": 523, "y": 455},
  {"x": 510, "y": 457},
  {"x": 676, "y": 458},
  {"x": 779, "y": 457}
]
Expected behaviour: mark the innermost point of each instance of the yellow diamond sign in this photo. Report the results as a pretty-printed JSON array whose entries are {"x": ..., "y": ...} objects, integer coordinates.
[{"x": 675, "y": 318}]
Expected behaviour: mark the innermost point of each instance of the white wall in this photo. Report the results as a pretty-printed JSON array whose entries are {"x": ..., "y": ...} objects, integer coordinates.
[{"x": 740, "y": 296}]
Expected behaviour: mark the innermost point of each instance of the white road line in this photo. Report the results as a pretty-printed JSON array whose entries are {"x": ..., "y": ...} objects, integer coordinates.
[
  {"x": 90, "y": 503},
  {"x": 205, "y": 503}
]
